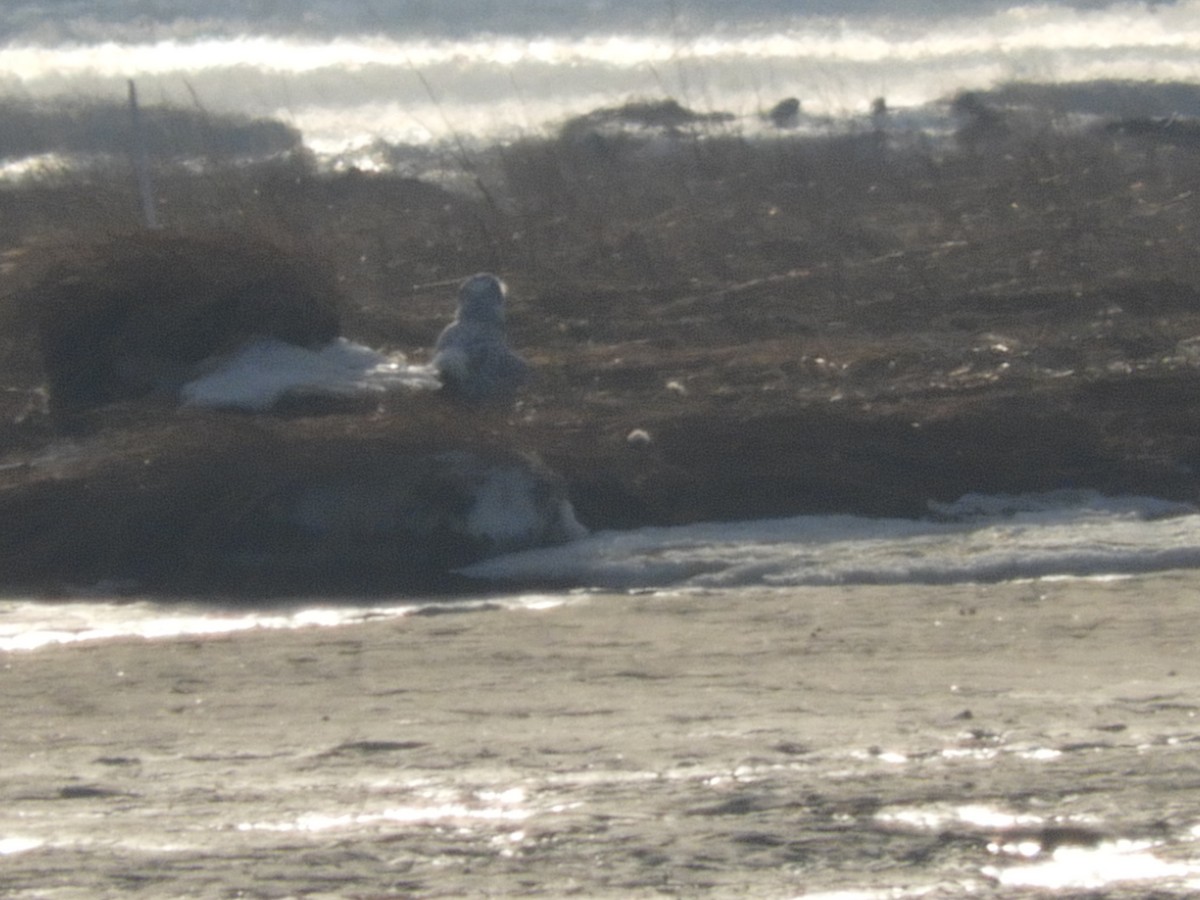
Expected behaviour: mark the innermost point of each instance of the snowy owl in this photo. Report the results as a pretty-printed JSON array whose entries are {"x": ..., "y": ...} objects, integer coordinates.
[{"x": 472, "y": 357}]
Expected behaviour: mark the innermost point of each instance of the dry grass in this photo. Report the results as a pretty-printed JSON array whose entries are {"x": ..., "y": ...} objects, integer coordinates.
[
  {"x": 868, "y": 216},
  {"x": 853, "y": 322},
  {"x": 130, "y": 317},
  {"x": 609, "y": 237}
]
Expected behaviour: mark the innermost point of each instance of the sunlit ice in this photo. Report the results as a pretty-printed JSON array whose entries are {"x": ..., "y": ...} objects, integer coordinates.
[
  {"x": 1021, "y": 28},
  {"x": 484, "y": 807},
  {"x": 1026, "y": 859},
  {"x": 1108, "y": 863},
  {"x": 29, "y": 626},
  {"x": 803, "y": 41}
]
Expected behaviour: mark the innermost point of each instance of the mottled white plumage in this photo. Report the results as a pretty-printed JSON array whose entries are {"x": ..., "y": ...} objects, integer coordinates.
[{"x": 472, "y": 357}]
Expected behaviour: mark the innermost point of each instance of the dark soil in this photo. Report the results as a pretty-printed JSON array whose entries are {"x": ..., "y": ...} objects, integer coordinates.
[{"x": 855, "y": 323}]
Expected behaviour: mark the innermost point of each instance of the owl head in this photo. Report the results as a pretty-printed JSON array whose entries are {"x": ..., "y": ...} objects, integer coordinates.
[{"x": 481, "y": 299}]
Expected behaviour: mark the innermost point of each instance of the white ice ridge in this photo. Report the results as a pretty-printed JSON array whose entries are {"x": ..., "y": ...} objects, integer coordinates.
[
  {"x": 28, "y": 625},
  {"x": 1046, "y": 28},
  {"x": 1068, "y": 533},
  {"x": 261, "y": 372}
]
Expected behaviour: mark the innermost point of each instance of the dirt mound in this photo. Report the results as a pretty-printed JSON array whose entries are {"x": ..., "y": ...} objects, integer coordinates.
[
  {"x": 131, "y": 316},
  {"x": 259, "y": 505}
]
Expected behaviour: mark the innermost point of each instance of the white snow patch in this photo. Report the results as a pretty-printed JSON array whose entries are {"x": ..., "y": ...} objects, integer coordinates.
[
  {"x": 1077, "y": 534},
  {"x": 29, "y": 625},
  {"x": 1092, "y": 868},
  {"x": 259, "y": 374},
  {"x": 505, "y": 509},
  {"x": 14, "y": 845}
]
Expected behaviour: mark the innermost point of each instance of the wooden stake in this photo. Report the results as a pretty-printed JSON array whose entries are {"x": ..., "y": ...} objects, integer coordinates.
[{"x": 141, "y": 161}]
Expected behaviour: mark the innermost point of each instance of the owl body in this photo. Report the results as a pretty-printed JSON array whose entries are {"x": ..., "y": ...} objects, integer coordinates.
[{"x": 472, "y": 357}]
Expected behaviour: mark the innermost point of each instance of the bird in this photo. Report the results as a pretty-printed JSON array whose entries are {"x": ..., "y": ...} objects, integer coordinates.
[
  {"x": 472, "y": 358},
  {"x": 785, "y": 113}
]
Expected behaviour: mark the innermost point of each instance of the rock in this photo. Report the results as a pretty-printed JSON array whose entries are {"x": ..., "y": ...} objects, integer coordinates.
[
  {"x": 472, "y": 356},
  {"x": 667, "y": 116},
  {"x": 241, "y": 505},
  {"x": 785, "y": 113},
  {"x": 639, "y": 437},
  {"x": 410, "y": 518}
]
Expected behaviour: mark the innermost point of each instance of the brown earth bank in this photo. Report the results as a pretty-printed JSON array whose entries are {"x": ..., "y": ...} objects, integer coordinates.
[{"x": 721, "y": 329}]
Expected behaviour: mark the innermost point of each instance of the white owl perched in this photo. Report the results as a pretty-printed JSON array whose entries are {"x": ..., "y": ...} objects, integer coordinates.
[{"x": 472, "y": 357}]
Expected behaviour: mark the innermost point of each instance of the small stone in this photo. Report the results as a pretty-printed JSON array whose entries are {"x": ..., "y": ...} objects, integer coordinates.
[{"x": 639, "y": 437}]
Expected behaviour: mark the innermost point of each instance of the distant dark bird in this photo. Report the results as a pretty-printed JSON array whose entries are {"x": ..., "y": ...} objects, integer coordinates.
[
  {"x": 879, "y": 113},
  {"x": 979, "y": 122},
  {"x": 785, "y": 113},
  {"x": 472, "y": 357}
]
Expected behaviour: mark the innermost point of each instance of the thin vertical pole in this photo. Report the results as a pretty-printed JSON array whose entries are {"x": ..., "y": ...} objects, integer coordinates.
[{"x": 141, "y": 161}]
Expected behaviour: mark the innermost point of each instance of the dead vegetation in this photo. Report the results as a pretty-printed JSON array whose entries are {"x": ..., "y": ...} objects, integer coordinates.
[
  {"x": 857, "y": 322},
  {"x": 132, "y": 317}
]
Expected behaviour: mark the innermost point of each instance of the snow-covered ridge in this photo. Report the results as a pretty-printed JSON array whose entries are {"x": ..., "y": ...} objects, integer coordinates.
[{"x": 1062, "y": 533}]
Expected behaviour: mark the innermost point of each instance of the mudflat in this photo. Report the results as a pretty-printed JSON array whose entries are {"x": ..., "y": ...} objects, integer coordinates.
[{"x": 766, "y": 743}]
